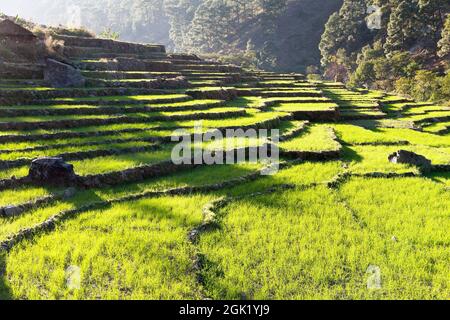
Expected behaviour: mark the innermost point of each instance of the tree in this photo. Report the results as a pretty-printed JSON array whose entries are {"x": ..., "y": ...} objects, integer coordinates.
[
  {"x": 425, "y": 85},
  {"x": 180, "y": 14},
  {"x": 444, "y": 43},
  {"x": 328, "y": 43},
  {"x": 345, "y": 30},
  {"x": 432, "y": 14},
  {"x": 402, "y": 26}
]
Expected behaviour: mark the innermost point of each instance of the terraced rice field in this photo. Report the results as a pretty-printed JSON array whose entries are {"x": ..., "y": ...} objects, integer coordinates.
[{"x": 337, "y": 221}]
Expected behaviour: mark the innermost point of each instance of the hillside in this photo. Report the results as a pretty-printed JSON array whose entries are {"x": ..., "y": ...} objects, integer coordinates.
[
  {"x": 405, "y": 50},
  {"x": 356, "y": 206},
  {"x": 191, "y": 25}
]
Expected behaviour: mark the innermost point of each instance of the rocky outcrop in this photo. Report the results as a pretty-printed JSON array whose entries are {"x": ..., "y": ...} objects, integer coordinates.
[
  {"x": 61, "y": 75},
  {"x": 21, "y": 71},
  {"x": 411, "y": 158},
  {"x": 51, "y": 171}
]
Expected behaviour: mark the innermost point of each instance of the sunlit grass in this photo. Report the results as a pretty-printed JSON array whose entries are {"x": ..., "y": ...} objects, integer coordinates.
[
  {"x": 134, "y": 250},
  {"x": 315, "y": 138}
]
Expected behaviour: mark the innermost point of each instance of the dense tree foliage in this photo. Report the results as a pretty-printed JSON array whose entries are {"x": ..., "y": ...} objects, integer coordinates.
[
  {"x": 444, "y": 43},
  {"x": 408, "y": 52}
]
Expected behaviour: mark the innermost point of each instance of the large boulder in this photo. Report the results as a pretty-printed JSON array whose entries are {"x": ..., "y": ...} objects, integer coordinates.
[
  {"x": 11, "y": 211},
  {"x": 61, "y": 75},
  {"x": 408, "y": 157},
  {"x": 52, "y": 171}
]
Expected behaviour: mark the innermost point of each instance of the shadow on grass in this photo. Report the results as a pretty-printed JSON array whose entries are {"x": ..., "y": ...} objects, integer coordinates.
[
  {"x": 439, "y": 177},
  {"x": 5, "y": 290},
  {"x": 350, "y": 155}
]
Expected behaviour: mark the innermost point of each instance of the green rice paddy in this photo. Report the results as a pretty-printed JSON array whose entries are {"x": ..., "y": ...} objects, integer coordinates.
[{"x": 314, "y": 229}]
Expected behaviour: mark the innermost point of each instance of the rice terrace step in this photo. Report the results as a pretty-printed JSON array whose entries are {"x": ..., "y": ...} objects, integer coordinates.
[{"x": 193, "y": 171}]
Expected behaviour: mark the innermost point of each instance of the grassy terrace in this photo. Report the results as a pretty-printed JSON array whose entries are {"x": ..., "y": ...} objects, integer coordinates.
[
  {"x": 127, "y": 98},
  {"x": 301, "y": 233},
  {"x": 175, "y": 105},
  {"x": 292, "y": 107},
  {"x": 315, "y": 138},
  {"x": 69, "y": 149}
]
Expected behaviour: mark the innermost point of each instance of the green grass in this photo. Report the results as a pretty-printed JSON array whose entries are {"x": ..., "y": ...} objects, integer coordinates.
[
  {"x": 293, "y": 107},
  {"x": 368, "y": 159},
  {"x": 52, "y": 144},
  {"x": 352, "y": 134},
  {"x": 62, "y": 150},
  {"x": 134, "y": 250},
  {"x": 53, "y": 118},
  {"x": 252, "y": 102},
  {"x": 120, "y": 162},
  {"x": 175, "y": 105},
  {"x": 196, "y": 177},
  {"x": 430, "y": 116},
  {"x": 417, "y": 137},
  {"x": 438, "y": 127},
  {"x": 127, "y": 98},
  {"x": 21, "y": 195},
  {"x": 308, "y": 242},
  {"x": 315, "y": 138},
  {"x": 309, "y": 235}
]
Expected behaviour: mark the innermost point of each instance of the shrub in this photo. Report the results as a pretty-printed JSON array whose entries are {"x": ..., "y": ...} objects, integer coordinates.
[
  {"x": 314, "y": 77},
  {"x": 445, "y": 88},
  {"x": 404, "y": 86},
  {"x": 426, "y": 85},
  {"x": 109, "y": 34}
]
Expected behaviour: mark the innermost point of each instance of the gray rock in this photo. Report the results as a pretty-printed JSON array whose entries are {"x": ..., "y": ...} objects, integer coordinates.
[
  {"x": 12, "y": 211},
  {"x": 52, "y": 171},
  {"x": 61, "y": 75},
  {"x": 408, "y": 157}
]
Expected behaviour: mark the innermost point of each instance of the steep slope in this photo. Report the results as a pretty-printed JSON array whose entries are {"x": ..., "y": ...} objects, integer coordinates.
[{"x": 300, "y": 29}]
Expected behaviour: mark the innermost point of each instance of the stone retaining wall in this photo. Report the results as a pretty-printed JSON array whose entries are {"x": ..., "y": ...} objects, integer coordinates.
[
  {"x": 127, "y": 64},
  {"x": 21, "y": 71},
  {"x": 156, "y": 83},
  {"x": 110, "y": 45},
  {"x": 119, "y": 75},
  {"x": 317, "y": 116},
  {"x": 220, "y": 94}
]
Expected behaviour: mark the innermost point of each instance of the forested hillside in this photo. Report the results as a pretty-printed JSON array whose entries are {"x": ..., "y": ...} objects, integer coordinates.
[
  {"x": 408, "y": 51},
  {"x": 270, "y": 34},
  {"x": 393, "y": 45}
]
